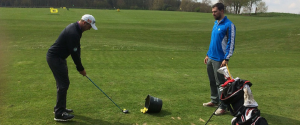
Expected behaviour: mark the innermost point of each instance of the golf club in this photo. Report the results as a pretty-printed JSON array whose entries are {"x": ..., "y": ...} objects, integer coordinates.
[
  {"x": 228, "y": 71},
  {"x": 124, "y": 110},
  {"x": 213, "y": 114}
]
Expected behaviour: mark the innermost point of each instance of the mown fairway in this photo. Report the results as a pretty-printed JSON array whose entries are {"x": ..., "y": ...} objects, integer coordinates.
[{"x": 135, "y": 53}]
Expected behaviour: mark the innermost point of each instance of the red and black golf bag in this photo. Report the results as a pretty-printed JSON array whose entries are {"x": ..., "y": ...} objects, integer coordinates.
[
  {"x": 249, "y": 116},
  {"x": 233, "y": 96}
]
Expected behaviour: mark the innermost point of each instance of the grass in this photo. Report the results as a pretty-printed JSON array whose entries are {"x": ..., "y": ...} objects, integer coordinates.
[{"x": 136, "y": 53}]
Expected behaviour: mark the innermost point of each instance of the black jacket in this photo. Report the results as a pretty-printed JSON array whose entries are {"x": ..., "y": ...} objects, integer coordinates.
[{"x": 68, "y": 43}]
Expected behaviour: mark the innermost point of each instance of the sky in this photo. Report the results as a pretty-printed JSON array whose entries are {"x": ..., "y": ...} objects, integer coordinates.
[{"x": 282, "y": 6}]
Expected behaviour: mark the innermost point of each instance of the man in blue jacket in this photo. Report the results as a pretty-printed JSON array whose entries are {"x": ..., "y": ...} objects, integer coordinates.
[
  {"x": 220, "y": 50},
  {"x": 67, "y": 43}
]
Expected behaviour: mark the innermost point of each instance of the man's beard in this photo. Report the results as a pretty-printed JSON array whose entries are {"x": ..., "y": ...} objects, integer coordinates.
[{"x": 217, "y": 17}]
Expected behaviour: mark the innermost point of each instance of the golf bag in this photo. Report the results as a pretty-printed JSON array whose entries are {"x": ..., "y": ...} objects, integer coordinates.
[
  {"x": 249, "y": 116},
  {"x": 233, "y": 94},
  {"x": 245, "y": 112}
]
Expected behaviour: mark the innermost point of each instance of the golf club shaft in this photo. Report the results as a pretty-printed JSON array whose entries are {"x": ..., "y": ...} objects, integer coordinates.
[
  {"x": 213, "y": 114},
  {"x": 103, "y": 93},
  {"x": 228, "y": 71}
]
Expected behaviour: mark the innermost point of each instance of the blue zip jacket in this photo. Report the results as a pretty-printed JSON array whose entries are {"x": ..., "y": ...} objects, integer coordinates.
[{"x": 222, "y": 40}]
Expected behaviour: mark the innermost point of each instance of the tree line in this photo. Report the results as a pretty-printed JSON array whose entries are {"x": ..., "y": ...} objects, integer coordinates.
[
  {"x": 170, "y": 5},
  {"x": 232, "y": 6},
  {"x": 244, "y": 6}
]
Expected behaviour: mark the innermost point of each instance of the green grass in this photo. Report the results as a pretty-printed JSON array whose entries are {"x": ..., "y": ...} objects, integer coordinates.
[{"x": 136, "y": 53}]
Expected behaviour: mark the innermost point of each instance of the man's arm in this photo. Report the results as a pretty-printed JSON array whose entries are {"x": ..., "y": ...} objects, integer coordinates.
[
  {"x": 230, "y": 44},
  {"x": 74, "y": 49}
]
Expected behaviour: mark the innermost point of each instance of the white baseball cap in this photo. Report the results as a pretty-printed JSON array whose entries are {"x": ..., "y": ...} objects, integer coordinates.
[{"x": 90, "y": 19}]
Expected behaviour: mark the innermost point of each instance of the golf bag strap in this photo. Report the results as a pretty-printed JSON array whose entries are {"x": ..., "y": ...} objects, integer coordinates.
[
  {"x": 227, "y": 82},
  {"x": 260, "y": 121},
  {"x": 256, "y": 120},
  {"x": 240, "y": 89}
]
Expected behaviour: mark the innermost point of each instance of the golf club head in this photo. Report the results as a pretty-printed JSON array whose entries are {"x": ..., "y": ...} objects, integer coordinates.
[
  {"x": 125, "y": 111},
  {"x": 223, "y": 70}
]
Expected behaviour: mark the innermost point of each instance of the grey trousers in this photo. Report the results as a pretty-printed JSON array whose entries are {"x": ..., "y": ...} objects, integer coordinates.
[
  {"x": 215, "y": 79},
  {"x": 59, "y": 69}
]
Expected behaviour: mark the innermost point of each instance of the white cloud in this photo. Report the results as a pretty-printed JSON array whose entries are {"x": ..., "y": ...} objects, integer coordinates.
[
  {"x": 276, "y": 1},
  {"x": 282, "y": 6},
  {"x": 293, "y": 5},
  {"x": 214, "y": 1}
]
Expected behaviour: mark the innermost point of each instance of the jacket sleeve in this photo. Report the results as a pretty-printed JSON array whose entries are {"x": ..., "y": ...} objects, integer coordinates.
[
  {"x": 211, "y": 38},
  {"x": 74, "y": 49},
  {"x": 231, "y": 41}
]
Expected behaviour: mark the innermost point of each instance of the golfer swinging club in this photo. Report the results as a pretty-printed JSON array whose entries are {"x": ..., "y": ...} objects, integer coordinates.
[
  {"x": 220, "y": 50},
  {"x": 67, "y": 43}
]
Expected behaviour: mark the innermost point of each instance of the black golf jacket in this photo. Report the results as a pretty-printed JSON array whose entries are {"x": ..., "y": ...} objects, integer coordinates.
[{"x": 68, "y": 43}]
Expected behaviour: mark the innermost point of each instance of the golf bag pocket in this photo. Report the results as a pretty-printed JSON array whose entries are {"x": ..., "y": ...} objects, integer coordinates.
[
  {"x": 236, "y": 107},
  {"x": 249, "y": 116}
]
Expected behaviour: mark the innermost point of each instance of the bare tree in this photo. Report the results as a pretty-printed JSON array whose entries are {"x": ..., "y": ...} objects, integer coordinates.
[
  {"x": 228, "y": 5},
  {"x": 221, "y": 1},
  {"x": 120, "y": 4},
  {"x": 246, "y": 10},
  {"x": 239, "y": 4},
  {"x": 261, "y": 7},
  {"x": 250, "y": 4},
  {"x": 192, "y": 6},
  {"x": 205, "y": 6},
  {"x": 107, "y": 4},
  {"x": 185, "y": 5},
  {"x": 157, "y": 4},
  {"x": 171, "y": 4},
  {"x": 234, "y": 6},
  {"x": 207, "y": 2},
  {"x": 26, "y": 3}
]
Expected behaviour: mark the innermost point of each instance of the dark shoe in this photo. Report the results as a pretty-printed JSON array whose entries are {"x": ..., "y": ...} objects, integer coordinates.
[
  {"x": 67, "y": 111},
  {"x": 63, "y": 117},
  {"x": 210, "y": 104}
]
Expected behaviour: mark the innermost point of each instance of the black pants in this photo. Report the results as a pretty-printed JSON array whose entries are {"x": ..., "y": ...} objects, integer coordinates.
[{"x": 59, "y": 69}]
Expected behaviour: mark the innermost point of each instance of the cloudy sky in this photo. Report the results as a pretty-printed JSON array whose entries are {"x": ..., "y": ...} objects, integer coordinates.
[{"x": 284, "y": 6}]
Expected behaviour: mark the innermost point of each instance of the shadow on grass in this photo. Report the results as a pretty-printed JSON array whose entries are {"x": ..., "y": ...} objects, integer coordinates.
[
  {"x": 53, "y": 14},
  {"x": 279, "y": 120},
  {"x": 162, "y": 113},
  {"x": 83, "y": 120}
]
